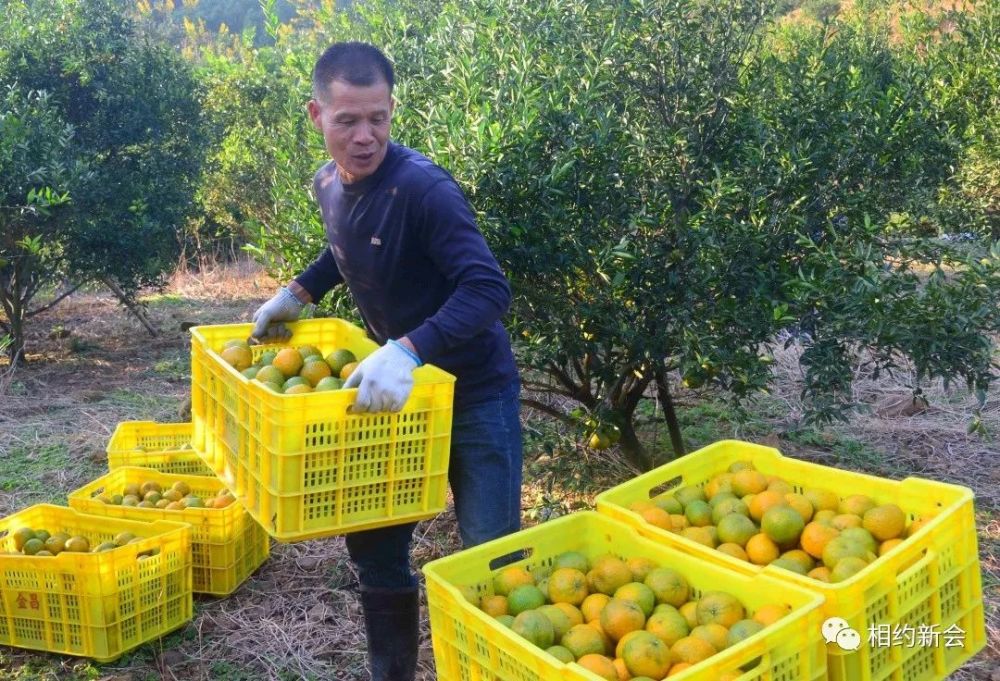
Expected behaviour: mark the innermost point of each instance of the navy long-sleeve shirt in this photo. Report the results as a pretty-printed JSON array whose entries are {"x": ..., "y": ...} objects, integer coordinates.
[{"x": 405, "y": 242}]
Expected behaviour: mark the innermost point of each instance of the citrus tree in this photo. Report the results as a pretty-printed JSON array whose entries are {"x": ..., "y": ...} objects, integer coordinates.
[
  {"x": 115, "y": 102},
  {"x": 669, "y": 185},
  {"x": 36, "y": 186}
]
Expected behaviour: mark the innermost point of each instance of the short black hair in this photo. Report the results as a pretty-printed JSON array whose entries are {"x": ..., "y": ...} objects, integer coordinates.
[{"x": 354, "y": 62}]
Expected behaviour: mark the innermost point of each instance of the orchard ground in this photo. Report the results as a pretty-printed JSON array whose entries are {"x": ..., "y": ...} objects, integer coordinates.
[{"x": 89, "y": 366}]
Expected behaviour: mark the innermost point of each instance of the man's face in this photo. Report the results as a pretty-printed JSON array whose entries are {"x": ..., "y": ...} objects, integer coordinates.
[{"x": 354, "y": 120}]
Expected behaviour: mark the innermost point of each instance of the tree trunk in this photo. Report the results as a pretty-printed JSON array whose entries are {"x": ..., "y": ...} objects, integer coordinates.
[
  {"x": 132, "y": 306},
  {"x": 16, "y": 349},
  {"x": 670, "y": 414},
  {"x": 634, "y": 452}
]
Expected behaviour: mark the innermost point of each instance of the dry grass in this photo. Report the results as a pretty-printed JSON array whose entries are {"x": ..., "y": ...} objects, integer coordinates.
[{"x": 299, "y": 615}]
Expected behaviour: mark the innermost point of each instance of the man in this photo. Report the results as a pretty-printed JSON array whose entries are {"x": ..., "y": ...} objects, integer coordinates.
[{"x": 403, "y": 238}]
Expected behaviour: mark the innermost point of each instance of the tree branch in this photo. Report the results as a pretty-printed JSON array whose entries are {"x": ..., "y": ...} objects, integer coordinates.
[
  {"x": 544, "y": 408},
  {"x": 131, "y": 305},
  {"x": 48, "y": 306}
]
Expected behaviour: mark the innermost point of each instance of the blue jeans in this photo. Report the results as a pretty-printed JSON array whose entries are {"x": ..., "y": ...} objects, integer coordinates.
[{"x": 485, "y": 477}]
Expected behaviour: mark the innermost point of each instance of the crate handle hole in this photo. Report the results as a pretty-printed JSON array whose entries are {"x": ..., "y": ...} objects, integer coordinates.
[
  {"x": 673, "y": 483},
  {"x": 508, "y": 558}
]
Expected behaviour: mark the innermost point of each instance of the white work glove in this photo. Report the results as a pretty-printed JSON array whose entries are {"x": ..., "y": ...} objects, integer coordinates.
[
  {"x": 283, "y": 307},
  {"x": 384, "y": 379}
]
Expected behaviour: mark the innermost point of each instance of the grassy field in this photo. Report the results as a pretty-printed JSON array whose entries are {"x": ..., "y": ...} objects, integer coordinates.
[{"x": 90, "y": 366}]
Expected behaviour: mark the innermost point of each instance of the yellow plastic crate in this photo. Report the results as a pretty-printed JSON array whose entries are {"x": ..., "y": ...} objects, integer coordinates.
[
  {"x": 931, "y": 580},
  {"x": 469, "y": 644},
  {"x": 96, "y": 605},
  {"x": 165, "y": 447},
  {"x": 301, "y": 464},
  {"x": 227, "y": 545}
]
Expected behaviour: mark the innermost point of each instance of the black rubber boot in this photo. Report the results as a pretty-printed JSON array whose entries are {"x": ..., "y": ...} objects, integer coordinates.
[{"x": 392, "y": 627}]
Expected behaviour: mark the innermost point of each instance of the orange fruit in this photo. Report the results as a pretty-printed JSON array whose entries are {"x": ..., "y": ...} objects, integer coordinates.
[
  {"x": 348, "y": 369},
  {"x": 734, "y": 550},
  {"x": 716, "y": 634},
  {"x": 270, "y": 374},
  {"x": 572, "y": 612},
  {"x": 620, "y": 617},
  {"x": 571, "y": 559},
  {"x": 692, "y": 650},
  {"x": 567, "y": 585},
  {"x": 690, "y": 612},
  {"x": 561, "y": 654},
  {"x": 888, "y": 545},
  {"x": 298, "y": 389},
  {"x": 668, "y": 503},
  {"x": 523, "y": 598},
  {"x": 736, "y": 529},
  {"x": 698, "y": 513},
  {"x": 815, "y": 536},
  {"x": 654, "y": 515},
  {"x": 760, "y": 504},
  {"x": 846, "y": 568},
  {"x": 561, "y": 623},
  {"x": 640, "y": 567},
  {"x": 824, "y": 517},
  {"x": 679, "y": 522},
  {"x": 315, "y": 371},
  {"x": 737, "y": 466},
  {"x": 856, "y": 504},
  {"x": 641, "y": 505},
  {"x": 749, "y": 482},
  {"x": 583, "y": 639},
  {"x": 720, "y": 497},
  {"x": 719, "y": 607},
  {"x": 288, "y": 361},
  {"x": 510, "y": 577},
  {"x": 622, "y": 670},
  {"x": 822, "y": 499},
  {"x": 845, "y": 521},
  {"x": 801, "y": 557},
  {"x": 609, "y": 573},
  {"x": 668, "y": 586},
  {"x": 821, "y": 574},
  {"x": 840, "y": 548},
  {"x": 592, "y": 606},
  {"x": 668, "y": 625},
  {"x": 885, "y": 522},
  {"x": 789, "y": 564},
  {"x": 494, "y": 606},
  {"x": 638, "y": 593},
  {"x": 861, "y": 536},
  {"x": 700, "y": 535},
  {"x": 338, "y": 358},
  {"x": 720, "y": 483},
  {"x": 238, "y": 357},
  {"x": 690, "y": 493},
  {"x": 727, "y": 507},
  {"x": 600, "y": 665},
  {"x": 625, "y": 639},
  {"x": 743, "y": 630},
  {"x": 771, "y": 613},
  {"x": 802, "y": 505},
  {"x": 609, "y": 645},
  {"x": 535, "y": 627},
  {"x": 646, "y": 655},
  {"x": 761, "y": 549},
  {"x": 780, "y": 486},
  {"x": 782, "y": 524},
  {"x": 679, "y": 668},
  {"x": 916, "y": 526}
]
